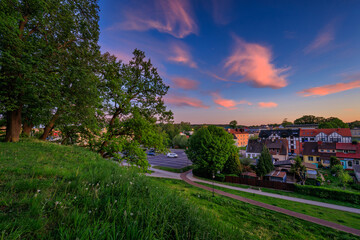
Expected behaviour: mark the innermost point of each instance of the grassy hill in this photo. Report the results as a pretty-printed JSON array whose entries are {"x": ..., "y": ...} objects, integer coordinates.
[{"x": 49, "y": 191}]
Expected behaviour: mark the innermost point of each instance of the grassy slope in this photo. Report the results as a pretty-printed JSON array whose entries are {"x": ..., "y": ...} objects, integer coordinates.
[
  {"x": 50, "y": 191},
  {"x": 175, "y": 170},
  {"x": 251, "y": 220},
  {"x": 340, "y": 217}
]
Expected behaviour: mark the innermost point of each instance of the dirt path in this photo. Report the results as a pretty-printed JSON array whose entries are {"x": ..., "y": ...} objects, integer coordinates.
[{"x": 274, "y": 208}]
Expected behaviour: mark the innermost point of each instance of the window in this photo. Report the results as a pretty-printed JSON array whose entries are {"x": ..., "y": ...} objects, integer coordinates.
[
  {"x": 357, "y": 162},
  {"x": 328, "y": 150},
  {"x": 350, "y": 163},
  {"x": 311, "y": 158},
  {"x": 322, "y": 150},
  {"x": 326, "y": 161},
  {"x": 318, "y": 159},
  {"x": 312, "y": 139}
]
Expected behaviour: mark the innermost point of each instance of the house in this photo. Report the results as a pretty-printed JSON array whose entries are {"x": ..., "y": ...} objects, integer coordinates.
[
  {"x": 355, "y": 134},
  {"x": 357, "y": 172},
  {"x": 291, "y": 135},
  {"x": 241, "y": 137},
  {"x": 254, "y": 148},
  {"x": 348, "y": 154},
  {"x": 277, "y": 176},
  {"x": 342, "y": 135},
  {"x": 278, "y": 148},
  {"x": 318, "y": 152}
]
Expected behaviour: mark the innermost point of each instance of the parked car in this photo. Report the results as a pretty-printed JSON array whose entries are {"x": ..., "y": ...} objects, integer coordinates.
[
  {"x": 151, "y": 153},
  {"x": 172, "y": 155}
]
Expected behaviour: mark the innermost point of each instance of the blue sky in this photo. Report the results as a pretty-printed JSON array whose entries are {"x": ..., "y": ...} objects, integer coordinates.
[{"x": 251, "y": 61}]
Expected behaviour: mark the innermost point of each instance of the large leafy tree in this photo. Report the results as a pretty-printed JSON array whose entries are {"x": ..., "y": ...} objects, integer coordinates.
[
  {"x": 35, "y": 38},
  {"x": 233, "y": 124},
  {"x": 210, "y": 147},
  {"x": 264, "y": 164},
  {"x": 309, "y": 119},
  {"x": 333, "y": 122},
  {"x": 132, "y": 104}
]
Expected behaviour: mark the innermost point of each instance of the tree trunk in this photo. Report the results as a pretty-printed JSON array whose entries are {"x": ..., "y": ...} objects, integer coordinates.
[
  {"x": 13, "y": 125},
  {"x": 50, "y": 126},
  {"x": 27, "y": 128}
]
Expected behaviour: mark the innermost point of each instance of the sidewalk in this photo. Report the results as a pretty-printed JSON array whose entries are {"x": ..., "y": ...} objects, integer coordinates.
[
  {"x": 300, "y": 200},
  {"x": 274, "y": 208}
]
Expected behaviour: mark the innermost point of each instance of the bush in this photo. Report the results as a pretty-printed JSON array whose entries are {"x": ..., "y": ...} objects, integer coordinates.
[
  {"x": 310, "y": 181},
  {"x": 327, "y": 193},
  {"x": 220, "y": 177},
  {"x": 180, "y": 141},
  {"x": 336, "y": 169}
]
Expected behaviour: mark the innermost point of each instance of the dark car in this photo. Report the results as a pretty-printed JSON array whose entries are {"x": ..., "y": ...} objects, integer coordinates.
[{"x": 151, "y": 153}]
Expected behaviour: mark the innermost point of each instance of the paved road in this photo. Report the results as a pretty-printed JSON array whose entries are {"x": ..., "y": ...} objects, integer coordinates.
[
  {"x": 161, "y": 160},
  {"x": 274, "y": 208}
]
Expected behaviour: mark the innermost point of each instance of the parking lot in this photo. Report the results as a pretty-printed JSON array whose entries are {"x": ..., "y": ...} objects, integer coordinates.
[{"x": 161, "y": 160}]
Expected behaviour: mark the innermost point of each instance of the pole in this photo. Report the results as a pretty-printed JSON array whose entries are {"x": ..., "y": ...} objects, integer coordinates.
[{"x": 213, "y": 184}]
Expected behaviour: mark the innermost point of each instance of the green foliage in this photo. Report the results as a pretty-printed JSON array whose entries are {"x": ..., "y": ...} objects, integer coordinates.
[
  {"x": 286, "y": 123},
  {"x": 64, "y": 192},
  {"x": 210, "y": 147},
  {"x": 309, "y": 119},
  {"x": 233, "y": 124},
  {"x": 333, "y": 122},
  {"x": 355, "y": 124},
  {"x": 299, "y": 169},
  {"x": 334, "y": 161},
  {"x": 345, "y": 178},
  {"x": 337, "y": 169},
  {"x": 180, "y": 141},
  {"x": 264, "y": 164},
  {"x": 328, "y": 193},
  {"x": 233, "y": 165}
]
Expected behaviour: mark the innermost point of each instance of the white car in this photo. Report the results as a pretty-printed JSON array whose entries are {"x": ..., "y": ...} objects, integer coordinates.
[{"x": 172, "y": 155}]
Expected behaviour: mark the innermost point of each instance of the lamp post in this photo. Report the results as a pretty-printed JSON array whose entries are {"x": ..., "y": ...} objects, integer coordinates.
[{"x": 213, "y": 176}]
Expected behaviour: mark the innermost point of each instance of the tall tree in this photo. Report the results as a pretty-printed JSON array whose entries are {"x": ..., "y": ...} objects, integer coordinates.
[
  {"x": 264, "y": 164},
  {"x": 34, "y": 36},
  {"x": 233, "y": 124},
  {"x": 299, "y": 169},
  {"x": 210, "y": 147},
  {"x": 333, "y": 122},
  {"x": 132, "y": 104}
]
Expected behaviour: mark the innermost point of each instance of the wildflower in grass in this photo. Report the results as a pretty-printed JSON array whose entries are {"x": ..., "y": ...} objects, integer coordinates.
[
  {"x": 125, "y": 213},
  {"x": 86, "y": 189},
  {"x": 38, "y": 190},
  {"x": 107, "y": 185},
  {"x": 115, "y": 201},
  {"x": 35, "y": 195},
  {"x": 89, "y": 211},
  {"x": 69, "y": 182},
  {"x": 131, "y": 214},
  {"x": 131, "y": 183},
  {"x": 198, "y": 195},
  {"x": 75, "y": 197}
]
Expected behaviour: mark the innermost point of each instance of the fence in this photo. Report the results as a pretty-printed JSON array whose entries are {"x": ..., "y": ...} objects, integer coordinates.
[{"x": 260, "y": 183}]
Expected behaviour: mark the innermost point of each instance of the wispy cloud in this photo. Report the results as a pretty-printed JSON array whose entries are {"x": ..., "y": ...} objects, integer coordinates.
[
  {"x": 181, "y": 54},
  {"x": 330, "y": 89},
  {"x": 227, "y": 103},
  {"x": 168, "y": 16},
  {"x": 221, "y": 11},
  {"x": 267, "y": 104},
  {"x": 185, "y": 83},
  {"x": 324, "y": 37},
  {"x": 183, "y": 101},
  {"x": 253, "y": 62}
]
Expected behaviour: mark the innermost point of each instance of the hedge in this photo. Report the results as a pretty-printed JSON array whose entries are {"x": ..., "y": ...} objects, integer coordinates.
[{"x": 328, "y": 193}]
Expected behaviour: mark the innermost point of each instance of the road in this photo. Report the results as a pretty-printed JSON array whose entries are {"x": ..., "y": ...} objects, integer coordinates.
[{"x": 161, "y": 160}]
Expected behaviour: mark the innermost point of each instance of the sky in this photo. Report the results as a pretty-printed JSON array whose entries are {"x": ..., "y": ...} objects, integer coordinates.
[{"x": 255, "y": 62}]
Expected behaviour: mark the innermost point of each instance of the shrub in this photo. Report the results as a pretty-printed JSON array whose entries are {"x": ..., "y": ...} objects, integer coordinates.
[
  {"x": 327, "y": 193},
  {"x": 334, "y": 161},
  {"x": 220, "y": 177},
  {"x": 336, "y": 169}
]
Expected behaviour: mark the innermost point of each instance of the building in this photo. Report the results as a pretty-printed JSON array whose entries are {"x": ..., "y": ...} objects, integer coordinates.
[
  {"x": 348, "y": 154},
  {"x": 241, "y": 137},
  {"x": 342, "y": 135},
  {"x": 277, "y": 147},
  {"x": 318, "y": 153},
  {"x": 355, "y": 134},
  {"x": 291, "y": 135},
  {"x": 277, "y": 176},
  {"x": 254, "y": 148}
]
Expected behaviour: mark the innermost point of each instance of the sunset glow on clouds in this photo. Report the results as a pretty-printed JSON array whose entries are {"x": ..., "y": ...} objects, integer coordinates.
[
  {"x": 173, "y": 17},
  {"x": 253, "y": 62},
  {"x": 182, "y": 55},
  {"x": 267, "y": 104},
  {"x": 330, "y": 89},
  {"x": 183, "y": 101},
  {"x": 227, "y": 59},
  {"x": 322, "y": 39},
  {"x": 227, "y": 103},
  {"x": 185, "y": 83}
]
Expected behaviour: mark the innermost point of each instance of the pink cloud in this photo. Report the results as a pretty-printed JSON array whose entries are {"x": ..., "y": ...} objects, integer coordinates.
[
  {"x": 182, "y": 101},
  {"x": 267, "y": 104},
  {"x": 227, "y": 103},
  {"x": 185, "y": 83},
  {"x": 330, "y": 89},
  {"x": 169, "y": 16},
  {"x": 324, "y": 37},
  {"x": 253, "y": 62},
  {"x": 182, "y": 55}
]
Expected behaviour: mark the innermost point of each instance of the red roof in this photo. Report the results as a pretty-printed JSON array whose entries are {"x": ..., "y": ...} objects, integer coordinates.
[
  {"x": 278, "y": 174},
  {"x": 348, "y": 155},
  {"x": 347, "y": 146},
  {"x": 237, "y": 131},
  {"x": 345, "y": 132}
]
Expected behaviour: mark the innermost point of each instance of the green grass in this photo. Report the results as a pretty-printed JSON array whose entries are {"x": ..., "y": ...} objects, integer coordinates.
[
  {"x": 175, "y": 170},
  {"x": 332, "y": 215},
  {"x": 49, "y": 191},
  {"x": 290, "y": 194},
  {"x": 253, "y": 222}
]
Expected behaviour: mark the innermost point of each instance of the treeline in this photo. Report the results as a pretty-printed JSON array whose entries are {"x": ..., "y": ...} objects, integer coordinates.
[{"x": 53, "y": 75}]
